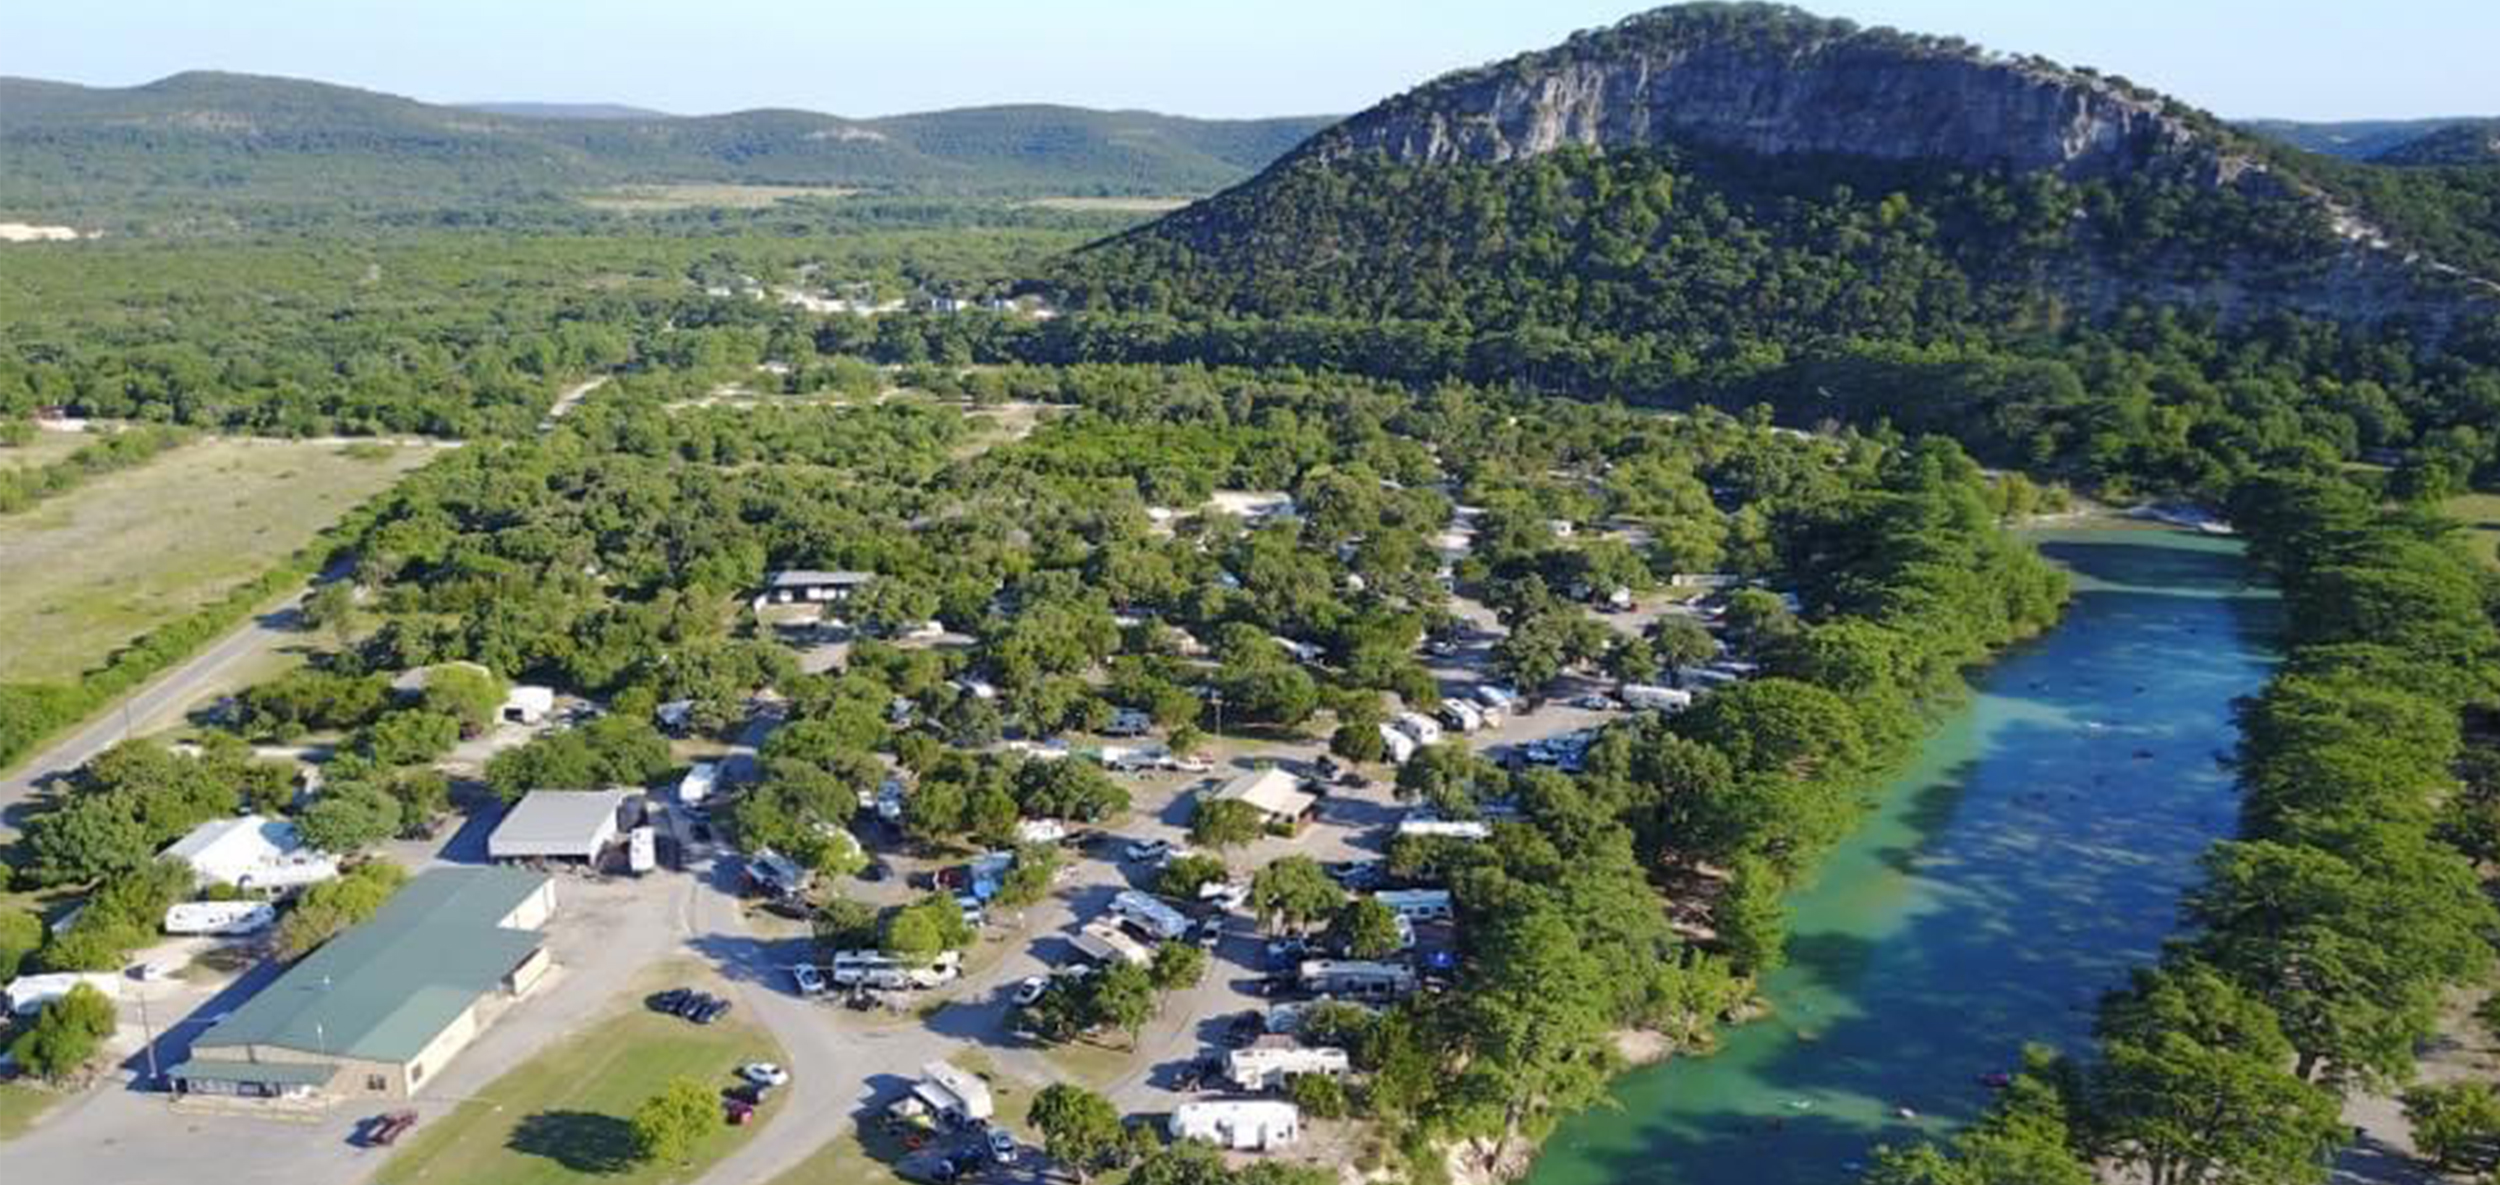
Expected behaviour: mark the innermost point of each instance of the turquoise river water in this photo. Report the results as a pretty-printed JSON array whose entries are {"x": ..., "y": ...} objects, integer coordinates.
[{"x": 2032, "y": 855}]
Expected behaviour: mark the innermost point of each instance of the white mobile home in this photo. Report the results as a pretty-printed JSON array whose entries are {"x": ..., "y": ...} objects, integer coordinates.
[
  {"x": 1264, "y": 1067},
  {"x": 220, "y": 918},
  {"x": 1242, "y": 1125},
  {"x": 1106, "y": 943},
  {"x": 1356, "y": 977},
  {"x": 1416, "y": 905}
]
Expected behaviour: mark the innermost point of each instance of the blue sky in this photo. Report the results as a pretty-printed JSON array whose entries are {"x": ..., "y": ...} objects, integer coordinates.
[{"x": 2310, "y": 59}]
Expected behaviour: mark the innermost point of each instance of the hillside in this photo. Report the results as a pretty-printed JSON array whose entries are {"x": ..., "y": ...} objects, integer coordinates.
[
  {"x": 261, "y": 149},
  {"x": 2471, "y": 142},
  {"x": 2355, "y": 139},
  {"x": 1744, "y": 202}
]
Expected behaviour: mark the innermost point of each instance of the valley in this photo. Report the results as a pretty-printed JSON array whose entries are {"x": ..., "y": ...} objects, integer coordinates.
[{"x": 1739, "y": 597}]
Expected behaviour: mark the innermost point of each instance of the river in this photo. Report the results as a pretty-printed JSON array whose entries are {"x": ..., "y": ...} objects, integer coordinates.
[{"x": 2034, "y": 852}]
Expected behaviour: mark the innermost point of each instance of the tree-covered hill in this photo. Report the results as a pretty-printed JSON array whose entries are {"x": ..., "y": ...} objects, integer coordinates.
[
  {"x": 2351, "y": 139},
  {"x": 1744, "y": 202},
  {"x": 249, "y": 146}
]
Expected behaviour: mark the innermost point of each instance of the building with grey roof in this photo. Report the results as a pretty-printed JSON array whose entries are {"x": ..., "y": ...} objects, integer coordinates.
[
  {"x": 559, "y": 825},
  {"x": 382, "y": 1007}
]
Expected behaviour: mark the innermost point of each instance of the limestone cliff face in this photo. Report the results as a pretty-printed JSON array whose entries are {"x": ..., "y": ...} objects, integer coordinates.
[{"x": 1786, "y": 84}]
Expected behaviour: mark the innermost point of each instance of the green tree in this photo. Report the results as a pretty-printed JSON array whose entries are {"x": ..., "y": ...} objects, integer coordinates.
[
  {"x": 1183, "y": 875},
  {"x": 1294, "y": 892},
  {"x": 1177, "y": 965},
  {"x": 2457, "y": 1125},
  {"x": 1752, "y": 919},
  {"x": 667, "y": 1125},
  {"x": 21, "y": 934},
  {"x": 1364, "y": 929},
  {"x": 327, "y": 908},
  {"x": 2195, "y": 1086},
  {"x": 918, "y": 933},
  {"x": 1224, "y": 823},
  {"x": 1080, "y": 1129},
  {"x": 66, "y": 1035},
  {"x": 471, "y": 695},
  {"x": 349, "y": 817},
  {"x": 1319, "y": 1096},
  {"x": 1124, "y": 998}
]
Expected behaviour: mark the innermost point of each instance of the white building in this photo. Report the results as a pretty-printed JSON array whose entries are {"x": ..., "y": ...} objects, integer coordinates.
[
  {"x": 27, "y": 994},
  {"x": 251, "y": 852},
  {"x": 558, "y": 825},
  {"x": 1242, "y": 1125},
  {"x": 801, "y": 585}
]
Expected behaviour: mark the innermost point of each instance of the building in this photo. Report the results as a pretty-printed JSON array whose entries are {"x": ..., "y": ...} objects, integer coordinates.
[
  {"x": 559, "y": 825},
  {"x": 1273, "y": 1060},
  {"x": 251, "y": 852},
  {"x": 1278, "y": 796},
  {"x": 1355, "y": 977},
  {"x": 28, "y": 994},
  {"x": 804, "y": 586},
  {"x": 956, "y": 1096},
  {"x": 1416, "y": 905},
  {"x": 381, "y": 1008},
  {"x": 1242, "y": 1125},
  {"x": 528, "y": 704}
]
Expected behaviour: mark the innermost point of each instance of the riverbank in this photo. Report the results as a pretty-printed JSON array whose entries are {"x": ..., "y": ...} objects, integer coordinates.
[{"x": 2032, "y": 853}]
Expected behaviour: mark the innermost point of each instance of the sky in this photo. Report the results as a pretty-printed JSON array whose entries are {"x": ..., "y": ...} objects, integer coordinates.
[{"x": 2299, "y": 59}]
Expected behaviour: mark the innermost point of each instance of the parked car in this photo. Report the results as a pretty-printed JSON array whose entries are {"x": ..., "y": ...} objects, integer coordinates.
[
  {"x": 811, "y": 981},
  {"x": 694, "y": 1004},
  {"x": 670, "y": 1001},
  {"x": 1148, "y": 849},
  {"x": 713, "y": 1011},
  {"x": 384, "y": 1130},
  {"x": 764, "y": 1073},
  {"x": 1595, "y": 703},
  {"x": 1029, "y": 990},
  {"x": 1002, "y": 1146},
  {"x": 1207, "y": 933}
]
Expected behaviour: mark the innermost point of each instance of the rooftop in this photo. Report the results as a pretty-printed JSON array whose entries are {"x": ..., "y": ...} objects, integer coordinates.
[
  {"x": 1272, "y": 791},
  {"x": 556, "y": 818},
  {"x": 803, "y": 577},
  {"x": 382, "y": 990}
]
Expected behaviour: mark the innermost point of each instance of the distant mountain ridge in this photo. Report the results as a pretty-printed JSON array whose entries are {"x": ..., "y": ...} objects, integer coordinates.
[
  {"x": 249, "y": 144},
  {"x": 537, "y": 110},
  {"x": 2354, "y": 139}
]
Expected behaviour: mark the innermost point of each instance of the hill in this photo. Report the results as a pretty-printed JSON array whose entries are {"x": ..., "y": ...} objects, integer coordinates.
[
  {"x": 532, "y": 110},
  {"x": 1743, "y": 202},
  {"x": 2353, "y": 139},
  {"x": 2472, "y": 142},
  {"x": 266, "y": 149}
]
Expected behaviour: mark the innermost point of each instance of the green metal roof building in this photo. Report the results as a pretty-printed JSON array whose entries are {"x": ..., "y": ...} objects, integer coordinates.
[{"x": 385, "y": 1004}]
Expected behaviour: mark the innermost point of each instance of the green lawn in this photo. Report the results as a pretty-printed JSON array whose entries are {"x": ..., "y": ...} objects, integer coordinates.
[
  {"x": 21, "y": 1105},
  {"x": 563, "y": 1116},
  {"x": 842, "y": 1161},
  {"x": 2481, "y": 515},
  {"x": 96, "y": 567},
  {"x": 44, "y": 449}
]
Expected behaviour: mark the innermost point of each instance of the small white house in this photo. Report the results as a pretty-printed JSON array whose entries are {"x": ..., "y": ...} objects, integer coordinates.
[
  {"x": 251, "y": 852},
  {"x": 1278, "y": 796},
  {"x": 1242, "y": 1125}
]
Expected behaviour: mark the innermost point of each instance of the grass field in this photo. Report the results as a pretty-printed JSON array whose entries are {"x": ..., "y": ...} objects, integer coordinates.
[
  {"x": 842, "y": 1160},
  {"x": 44, "y": 449},
  {"x": 21, "y": 1105},
  {"x": 1115, "y": 205},
  {"x": 101, "y": 565},
  {"x": 2481, "y": 515},
  {"x": 564, "y": 1115}
]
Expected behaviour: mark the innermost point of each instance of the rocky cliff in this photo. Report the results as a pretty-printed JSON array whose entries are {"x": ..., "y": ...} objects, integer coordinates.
[{"x": 1778, "y": 82}]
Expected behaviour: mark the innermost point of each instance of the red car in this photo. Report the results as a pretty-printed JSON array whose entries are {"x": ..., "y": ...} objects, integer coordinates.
[{"x": 384, "y": 1130}]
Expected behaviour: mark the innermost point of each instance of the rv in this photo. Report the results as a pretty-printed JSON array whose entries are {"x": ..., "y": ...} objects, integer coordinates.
[
  {"x": 1419, "y": 726},
  {"x": 1264, "y": 1067},
  {"x": 1105, "y": 943},
  {"x": 1399, "y": 745},
  {"x": 1444, "y": 828},
  {"x": 1461, "y": 715},
  {"x": 220, "y": 918},
  {"x": 1357, "y": 978},
  {"x": 1417, "y": 905},
  {"x": 1644, "y": 695},
  {"x": 876, "y": 969},
  {"x": 642, "y": 850},
  {"x": 1150, "y": 915}
]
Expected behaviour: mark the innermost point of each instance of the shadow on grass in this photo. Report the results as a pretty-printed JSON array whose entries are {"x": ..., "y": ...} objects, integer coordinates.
[{"x": 581, "y": 1141}]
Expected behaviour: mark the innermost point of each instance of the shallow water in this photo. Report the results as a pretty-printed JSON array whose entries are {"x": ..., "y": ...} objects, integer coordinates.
[{"x": 2033, "y": 854}]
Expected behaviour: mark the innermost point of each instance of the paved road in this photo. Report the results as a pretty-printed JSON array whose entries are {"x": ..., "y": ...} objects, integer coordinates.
[{"x": 168, "y": 694}]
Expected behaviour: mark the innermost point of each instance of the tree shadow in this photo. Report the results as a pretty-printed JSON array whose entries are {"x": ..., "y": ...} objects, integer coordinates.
[{"x": 581, "y": 1141}]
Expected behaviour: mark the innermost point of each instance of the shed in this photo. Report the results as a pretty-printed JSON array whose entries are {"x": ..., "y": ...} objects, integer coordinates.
[{"x": 558, "y": 825}]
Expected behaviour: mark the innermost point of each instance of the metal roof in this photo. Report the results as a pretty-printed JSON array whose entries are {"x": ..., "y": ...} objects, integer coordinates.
[
  {"x": 556, "y": 823},
  {"x": 383, "y": 990},
  {"x": 803, "y": 577}
]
